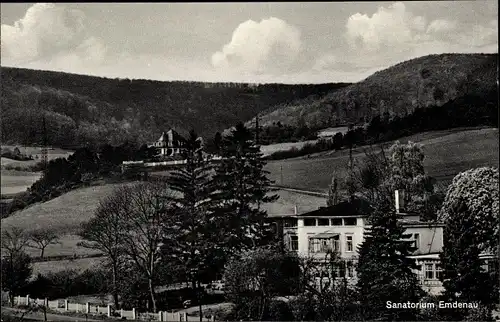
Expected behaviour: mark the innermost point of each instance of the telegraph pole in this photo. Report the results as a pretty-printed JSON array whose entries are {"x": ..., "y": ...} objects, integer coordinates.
[
  {"x": 257, "y": 129},
  {"x": 44, "y": 144}
]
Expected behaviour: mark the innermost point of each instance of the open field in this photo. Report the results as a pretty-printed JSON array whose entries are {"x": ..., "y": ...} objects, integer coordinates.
[
  {"x": 13, "y": 181},
  {"x": 52, "y": 153},
  {"x": 446, "y": 154},
  {"x": 271, "y": 148},
  {"x": 67, "y": 246},
  {"x": 63, "y": 214}
]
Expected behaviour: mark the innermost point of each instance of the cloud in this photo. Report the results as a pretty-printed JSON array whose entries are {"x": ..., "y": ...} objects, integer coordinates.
[
  {"x": 258, "y": 47},
  {"x": 393, "y": 34},
  {"x": 387, "y": 27},
  {"x": 325, "y": 62},
  {"x": 441, "y": 25},
  {"x": 53, "y": 37},
  {"x": 47, "y": 32}
]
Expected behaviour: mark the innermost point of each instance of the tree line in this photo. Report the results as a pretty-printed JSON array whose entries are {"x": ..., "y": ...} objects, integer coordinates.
[{"x": 81, "y": 110}]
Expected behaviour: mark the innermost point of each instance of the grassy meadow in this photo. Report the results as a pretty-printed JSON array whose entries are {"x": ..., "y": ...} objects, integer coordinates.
[
  {"x": 63, "y": 215},
  {"x": 17, "y": 176},
  {"x": 447, "y": 153},
  {"x": 13, "y": 181},
  {"x": 36, "y": 151}
]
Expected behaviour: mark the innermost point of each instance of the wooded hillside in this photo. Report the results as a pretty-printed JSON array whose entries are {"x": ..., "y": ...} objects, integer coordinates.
[
  {"x": 422, "y": 82},
  {"x": 83, "y": 110}
]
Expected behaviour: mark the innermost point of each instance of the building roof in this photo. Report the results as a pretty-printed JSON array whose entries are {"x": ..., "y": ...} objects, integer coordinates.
[
  {"x": 163, "y": 137},
  {"x": 171, "y": 134},
  {"x": 354, "y": 208},
  {"x": 418, "y": 223}
]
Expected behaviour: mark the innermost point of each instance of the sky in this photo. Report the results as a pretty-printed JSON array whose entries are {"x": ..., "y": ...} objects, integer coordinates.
[{"x": 276, "y": 42}]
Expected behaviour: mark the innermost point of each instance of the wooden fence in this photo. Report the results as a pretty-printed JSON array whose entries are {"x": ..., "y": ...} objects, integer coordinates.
[{"x": 87, "y": 308}]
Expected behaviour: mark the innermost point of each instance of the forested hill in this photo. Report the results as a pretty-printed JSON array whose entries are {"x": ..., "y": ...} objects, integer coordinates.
[
  {"x": 83, "y": 110},
  {"x": 422, "y": 82}
]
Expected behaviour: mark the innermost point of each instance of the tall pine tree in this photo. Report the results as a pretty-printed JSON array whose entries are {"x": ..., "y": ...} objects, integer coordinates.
[
  {"x": 384, "y": 269},
  {"x": 195, "y": 245},
  {"x": 243, "y": 187}
]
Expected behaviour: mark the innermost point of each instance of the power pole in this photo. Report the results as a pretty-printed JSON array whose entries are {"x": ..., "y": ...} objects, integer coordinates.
[
  {"x": 44, "y": 144},
  {"x": 281, "y": 171},
  {"x": 257, "y": 129}
]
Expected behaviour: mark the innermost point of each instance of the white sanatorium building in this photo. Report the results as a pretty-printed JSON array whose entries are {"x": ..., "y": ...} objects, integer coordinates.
[{"x": 341, "y": 228}]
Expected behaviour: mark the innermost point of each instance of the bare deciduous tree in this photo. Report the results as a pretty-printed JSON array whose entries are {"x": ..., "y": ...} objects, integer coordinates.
[
  {"x": 16, "y": 266},
  {"x": 42, "y": 238},
  {"x": 147, "y": 221},
  {"x": 14, "y": 240},
  {"x": 104, "y": 232}
]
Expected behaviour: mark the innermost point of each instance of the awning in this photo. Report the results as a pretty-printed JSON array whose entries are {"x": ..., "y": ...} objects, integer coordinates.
[{"x": 326, "y": 235}]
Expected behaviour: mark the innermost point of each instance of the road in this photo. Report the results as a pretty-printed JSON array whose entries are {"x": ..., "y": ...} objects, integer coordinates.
[{"x": 38, "y": 316}]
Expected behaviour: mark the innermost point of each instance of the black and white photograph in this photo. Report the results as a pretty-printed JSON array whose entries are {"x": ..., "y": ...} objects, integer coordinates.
[{"x": 250, "y": 161}]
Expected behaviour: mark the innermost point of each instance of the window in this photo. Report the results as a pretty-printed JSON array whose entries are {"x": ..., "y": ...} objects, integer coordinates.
[
  {"x": 336, "y": 221},
  {"x": 294, "y": 243},
  {"x": 348, "y": 243},
  {"x": 323, "y": 245},
  {"x": 291, "y": 222},
  {"x": 492, "y": 265},
  {"x": 310, "y": 222},
  {"x": 350, "y": 221},
  {"x": 416, "y": 241},
  {"x": 336, "y": 243},
  {"x": 439, "y": 271},
  {"x": 313, "y": 245},
  {"x": 429, "y": 271},
  {"x": 350, "y": 268},
  {"x": 323, "y": 222},
  {"x": 341, "y": 269}
]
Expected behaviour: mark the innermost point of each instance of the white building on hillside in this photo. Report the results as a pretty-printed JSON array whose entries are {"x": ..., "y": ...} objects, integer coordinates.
[{"x": 341, "y": 228}]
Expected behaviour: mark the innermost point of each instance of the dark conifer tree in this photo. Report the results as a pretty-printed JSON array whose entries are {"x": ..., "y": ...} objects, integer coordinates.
[
  {"x": 384, "y": 269},
  {"x": 243, "y": 187},
  {"x": 195, "y": 245}
]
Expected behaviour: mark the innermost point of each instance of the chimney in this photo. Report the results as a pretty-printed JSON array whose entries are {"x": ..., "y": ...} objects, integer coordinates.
[
  {"x": 399, "y": 200},
  {"x": 295, "y": 210}
]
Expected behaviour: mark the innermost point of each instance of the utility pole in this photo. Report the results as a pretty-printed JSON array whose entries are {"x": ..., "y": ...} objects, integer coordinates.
[
  {"x": 281, "y": 171},
  {"x": 257, "y": 129},
  {"x": 44, "y": 143}
]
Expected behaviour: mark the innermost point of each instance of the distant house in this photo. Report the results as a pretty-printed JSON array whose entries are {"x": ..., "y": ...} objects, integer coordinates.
[
  {"x": 330, "y": 132},
  {"x": 341, "y": 228},
  {"x": 170, "y": 144}
]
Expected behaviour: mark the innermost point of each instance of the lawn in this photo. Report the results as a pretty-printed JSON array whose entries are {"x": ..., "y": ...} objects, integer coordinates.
[
  {"x": 13, "y": 181},
  {"x": 446, "y": 154}
]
